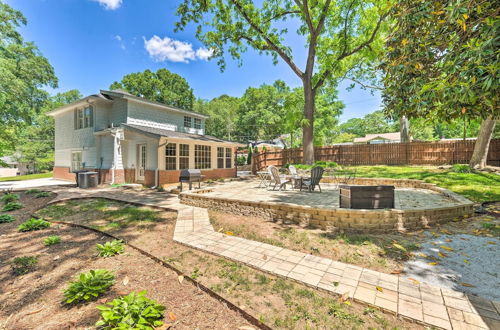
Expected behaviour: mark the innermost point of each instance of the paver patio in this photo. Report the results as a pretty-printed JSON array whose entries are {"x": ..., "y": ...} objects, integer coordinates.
[{"x": 416, "y": 301}]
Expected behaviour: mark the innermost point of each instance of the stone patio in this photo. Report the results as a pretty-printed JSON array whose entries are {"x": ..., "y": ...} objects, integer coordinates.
[
  {"x": 415, "y": 301},
  {"x": 405, "y": 198}
]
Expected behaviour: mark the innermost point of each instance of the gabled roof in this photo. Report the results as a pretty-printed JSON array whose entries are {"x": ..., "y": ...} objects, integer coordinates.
[
  {"x": 120, "y": 94},
  {"x": 382, "y": 136},
  {"x": 159, "y": 132}
]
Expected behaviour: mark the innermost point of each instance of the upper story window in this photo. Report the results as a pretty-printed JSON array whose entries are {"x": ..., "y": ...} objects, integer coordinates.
[
  {"x": 187, "y": 122},
  {"x": 84, "y": 117},
  {"x": 197, "y": 123}
]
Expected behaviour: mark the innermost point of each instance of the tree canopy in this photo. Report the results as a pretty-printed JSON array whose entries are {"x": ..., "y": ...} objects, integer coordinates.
[
  {"x": 24, "y": 73},
  {"x": 161, "y": 86},
  {"x": 341, "y": 37},
  {"x": 442, "y": 59}
]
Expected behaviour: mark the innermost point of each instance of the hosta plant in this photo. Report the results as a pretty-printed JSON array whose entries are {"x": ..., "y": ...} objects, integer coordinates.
[
  {"x": 134, "y": 311},
  {"x": 23, "y": 265},
  {"x": 12, "y": 206},
  {"x": 42, "y": 194},
  {"x": 51, "y": 240},
  {"x": 33, "y": 224},
  {"x": 7, "y": 198},
  {"x": 110, "y": 249},
  {"x": 89, "y": 286},
  {"x": 6, "y": 218}
]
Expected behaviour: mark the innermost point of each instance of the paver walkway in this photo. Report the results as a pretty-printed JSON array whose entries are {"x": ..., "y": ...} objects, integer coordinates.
[{"x": 416, "y": 301}]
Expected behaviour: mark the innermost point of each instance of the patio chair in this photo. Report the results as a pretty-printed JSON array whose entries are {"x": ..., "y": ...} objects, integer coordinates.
[
  {"x": 293, "y": 170},
  {"x": 313, "y": 181},
  {"x": 278, "y": 180}
]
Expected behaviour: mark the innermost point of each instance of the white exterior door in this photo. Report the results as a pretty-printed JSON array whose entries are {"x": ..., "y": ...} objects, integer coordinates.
[{"x": 141, "y": 162}]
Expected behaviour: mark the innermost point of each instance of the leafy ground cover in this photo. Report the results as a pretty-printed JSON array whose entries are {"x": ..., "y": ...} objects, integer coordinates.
[
  {"x": 476, "y": 186},
  {"x": 27, "y": 177},
  {"x": 282, "y": 304},
  {"x": 34, "y": 295}
]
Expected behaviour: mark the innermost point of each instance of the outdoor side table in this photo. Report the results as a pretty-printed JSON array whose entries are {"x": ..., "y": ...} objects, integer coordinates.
[{"x": 264, "y": 178}]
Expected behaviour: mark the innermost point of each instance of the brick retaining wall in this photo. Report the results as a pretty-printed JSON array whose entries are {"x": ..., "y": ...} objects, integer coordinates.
[{"x": 351, "y": 220}]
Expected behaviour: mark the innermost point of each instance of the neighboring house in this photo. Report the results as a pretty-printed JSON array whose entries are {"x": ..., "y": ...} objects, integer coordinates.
[
  {"x": 130, "y": 139},
  {"x": 379, "y": 138},
  {"x": 13, "y": 167}
]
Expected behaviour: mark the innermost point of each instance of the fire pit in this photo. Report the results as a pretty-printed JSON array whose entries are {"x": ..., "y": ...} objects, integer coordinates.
[
  {"x": 366, "y": 197},
  {"x": 190, "y": 176}
]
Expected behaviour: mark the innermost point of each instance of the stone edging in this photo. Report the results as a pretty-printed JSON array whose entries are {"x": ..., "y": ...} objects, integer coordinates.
[{"x": 379, "y": 221}]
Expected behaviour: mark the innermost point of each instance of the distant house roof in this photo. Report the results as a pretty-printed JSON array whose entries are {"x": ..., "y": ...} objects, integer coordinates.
[
  {"x": 160, "y": 132},
  {"x": 383, "y": 136}
]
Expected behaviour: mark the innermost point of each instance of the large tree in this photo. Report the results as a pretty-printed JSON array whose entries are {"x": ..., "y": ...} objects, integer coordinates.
[
  {"x": 161, "y": 86},
  {"x": 442, "y": 62},
  {"x": 341, "y": 37},
  {"x": 35, "y": 143},
  {"x": 24, "y": 72},
  {"x": 222, "y": 112}
]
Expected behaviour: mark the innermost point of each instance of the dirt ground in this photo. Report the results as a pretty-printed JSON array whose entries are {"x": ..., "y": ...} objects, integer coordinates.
[
  {"x": 282, "y": 304},
  {"x": 33, "y": 300}
]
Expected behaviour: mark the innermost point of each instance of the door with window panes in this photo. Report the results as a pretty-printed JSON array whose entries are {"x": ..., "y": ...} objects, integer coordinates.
[{"x": 141, "y": 162}]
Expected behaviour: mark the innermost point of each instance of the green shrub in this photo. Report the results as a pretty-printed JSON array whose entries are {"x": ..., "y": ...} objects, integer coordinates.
[
  {"x": 42, "y": 194},
  {"x": 331, "y": 164},
  {"x": 6, "y": 218},
  {"x": 33, "y": 224},
  {"x": 134, "y": 311},
  {"x": 89, "y": 286},
  {"x": 51, "y": 240},
  {"x": 32, "y": 191},
  {"x": 12, "y": 206},
  {"x": 461, "y": 168},
  {"x": 110, "y": 249},
  {"x": 24, "y": 265},
  {"x": 7, "y": 198}
]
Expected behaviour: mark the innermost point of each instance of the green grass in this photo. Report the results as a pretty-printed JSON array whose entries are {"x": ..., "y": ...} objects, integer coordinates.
[
  {"x": 27, "y": 177},
  {"x": 477, "y": 186}
]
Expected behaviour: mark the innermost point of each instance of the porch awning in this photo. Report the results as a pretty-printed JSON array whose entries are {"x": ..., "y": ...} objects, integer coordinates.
[{"x": 159, "y": 132}]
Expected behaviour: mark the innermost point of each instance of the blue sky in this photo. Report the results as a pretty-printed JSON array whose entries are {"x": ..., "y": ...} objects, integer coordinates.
[{"x": 92, "y": 43}]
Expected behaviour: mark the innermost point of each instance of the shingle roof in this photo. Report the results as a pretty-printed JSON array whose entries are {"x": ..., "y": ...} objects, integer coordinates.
[{"x": 174, "y": 134}]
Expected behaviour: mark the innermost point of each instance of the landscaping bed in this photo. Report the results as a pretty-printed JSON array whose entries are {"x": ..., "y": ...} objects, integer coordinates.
[
  {"x": 35, "y": 298},
  {"x": 282, "y": 304}
]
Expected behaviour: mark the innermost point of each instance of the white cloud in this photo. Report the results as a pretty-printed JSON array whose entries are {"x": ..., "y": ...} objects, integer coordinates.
[
  {"x": 120, "y": 41},
  {"x": 168, "y": 49},
  {"x": 110, "y": 4}
]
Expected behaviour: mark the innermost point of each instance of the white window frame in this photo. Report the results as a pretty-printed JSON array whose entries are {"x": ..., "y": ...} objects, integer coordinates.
[
  {"x": 197, "y": 123},
  {"x": 188, "y": 122},
  {"x": 76, "y": 164}
]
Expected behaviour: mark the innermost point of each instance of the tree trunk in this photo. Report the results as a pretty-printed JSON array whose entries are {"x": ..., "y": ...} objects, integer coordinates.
[
  {"x": 480, "y": 154},
  {"x": 308, "y": 127},
  {"x": 404, "y": 129}
]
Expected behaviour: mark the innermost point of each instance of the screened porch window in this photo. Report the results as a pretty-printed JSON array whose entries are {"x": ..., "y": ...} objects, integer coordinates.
[
  {"x": 228, "y": 157},
  {"x": 183, "y": 156},
  {"x": 171, "y": 156},
  {"x": 202, "y": 156},
  {"x": 220, "y": 157}
]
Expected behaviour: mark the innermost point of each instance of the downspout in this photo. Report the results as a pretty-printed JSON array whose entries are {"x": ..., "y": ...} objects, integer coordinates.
[
  {"x": 113, "y": 165},
  {"x": 157, "y": 171}
]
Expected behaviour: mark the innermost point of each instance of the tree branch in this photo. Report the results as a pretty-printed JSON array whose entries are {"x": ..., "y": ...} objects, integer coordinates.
[
  {"x": 344, "y": 54},
  {"x": 363, "y": 84},
  {"x": 288, "y": 12},
  {"x": 269, "y": 42}
]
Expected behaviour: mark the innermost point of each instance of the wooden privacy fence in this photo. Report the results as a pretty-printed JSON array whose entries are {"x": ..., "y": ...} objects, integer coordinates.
[{"x": 413, "y": 153}]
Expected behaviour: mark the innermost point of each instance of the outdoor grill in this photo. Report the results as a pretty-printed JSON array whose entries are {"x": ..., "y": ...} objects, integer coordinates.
[{"x": 190, "y": 176}]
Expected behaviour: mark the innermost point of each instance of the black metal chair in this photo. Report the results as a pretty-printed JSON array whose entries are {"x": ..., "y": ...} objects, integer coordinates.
[{"x": 313, "y": 181}]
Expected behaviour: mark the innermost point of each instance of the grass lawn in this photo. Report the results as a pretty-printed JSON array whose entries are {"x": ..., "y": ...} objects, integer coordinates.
[
  {"x": 27, "y": 177},
  {"x": 477, "y": 186}
]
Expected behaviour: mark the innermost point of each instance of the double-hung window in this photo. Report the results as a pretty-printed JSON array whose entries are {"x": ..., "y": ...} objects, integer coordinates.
[
  {"x": 84, "y": 117},
  {"x": 202, "y": 156},
  {"x": 171, "y": 156},
  {"x": 187, "y": 122},
  {"x": 197, "y": 123}
]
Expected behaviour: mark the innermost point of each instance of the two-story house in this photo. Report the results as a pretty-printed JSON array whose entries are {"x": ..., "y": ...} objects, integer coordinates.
[{"x": 126, "y": 138}]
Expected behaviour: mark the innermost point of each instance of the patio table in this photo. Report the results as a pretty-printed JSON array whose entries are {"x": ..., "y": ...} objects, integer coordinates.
[
  {"x": 264, "y": 177},
  {"x": 296, "y": 180}
]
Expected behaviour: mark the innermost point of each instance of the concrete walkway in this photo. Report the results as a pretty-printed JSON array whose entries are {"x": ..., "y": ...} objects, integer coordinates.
[
  {"x": 413, "y": 300},
  {"x": 33, "y": 183}
]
